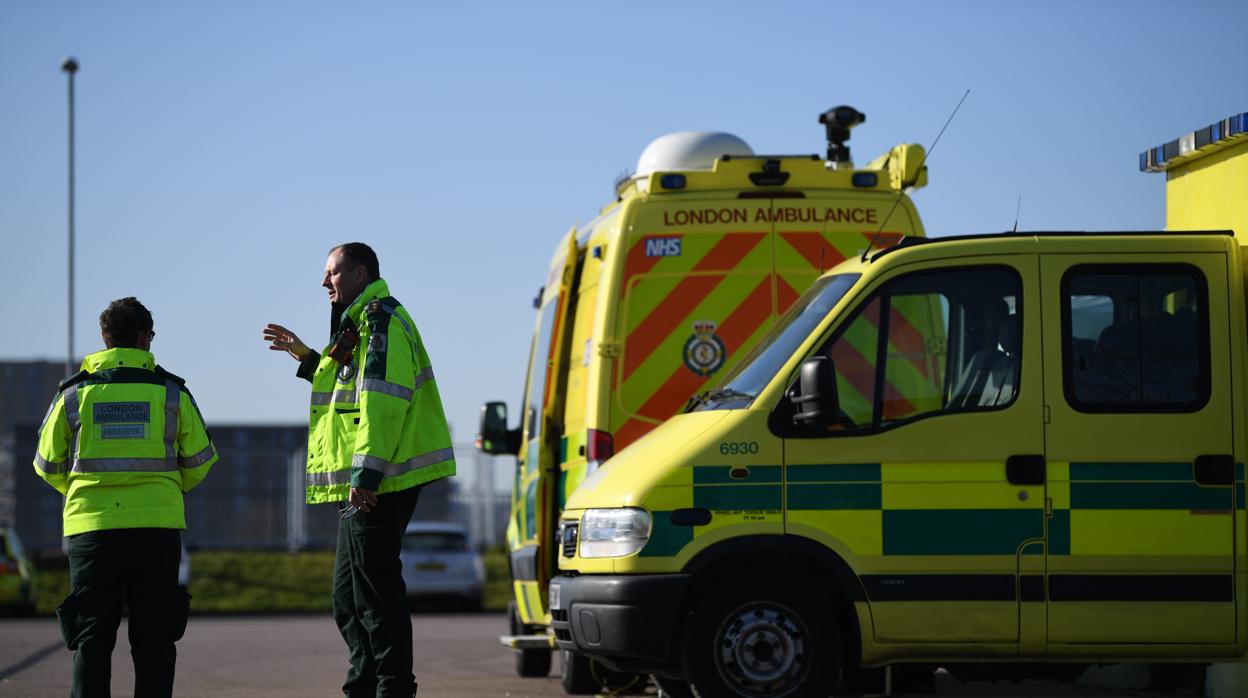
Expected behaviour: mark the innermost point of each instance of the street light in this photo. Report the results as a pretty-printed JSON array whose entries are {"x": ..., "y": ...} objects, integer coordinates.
[{"x": 70, "y": 66}]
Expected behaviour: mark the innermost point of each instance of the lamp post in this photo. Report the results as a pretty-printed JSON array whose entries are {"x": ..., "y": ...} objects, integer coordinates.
[{"x": 70, "y": 66}]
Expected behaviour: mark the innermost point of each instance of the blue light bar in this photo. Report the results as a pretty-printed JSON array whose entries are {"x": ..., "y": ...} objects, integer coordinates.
[{"x": 1164, "y": 156}]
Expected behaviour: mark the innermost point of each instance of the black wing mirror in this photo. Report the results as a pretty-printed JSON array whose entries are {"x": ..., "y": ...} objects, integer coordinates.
[
  {"x": 493, "y": 436},
  {"x": 815, "y": 400}
]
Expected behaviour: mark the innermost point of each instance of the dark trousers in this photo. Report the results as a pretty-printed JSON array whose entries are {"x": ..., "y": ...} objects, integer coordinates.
[
  {"x": 370, "y": 599},
  {"x": 138, "y": 566}
]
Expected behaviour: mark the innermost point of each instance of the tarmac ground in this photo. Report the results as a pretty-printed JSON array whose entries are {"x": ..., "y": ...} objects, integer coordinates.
[{"x": 456, "y": 655}]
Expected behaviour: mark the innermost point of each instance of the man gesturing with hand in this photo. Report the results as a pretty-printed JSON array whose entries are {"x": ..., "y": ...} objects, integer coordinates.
[{"x": 377, "y": 433}]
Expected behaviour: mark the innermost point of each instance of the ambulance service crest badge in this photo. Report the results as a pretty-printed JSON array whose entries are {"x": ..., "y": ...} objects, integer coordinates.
[{"x": 705, "y": 351}]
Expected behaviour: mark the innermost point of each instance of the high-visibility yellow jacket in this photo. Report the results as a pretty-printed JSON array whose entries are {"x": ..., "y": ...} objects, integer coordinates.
[
  {"x": 122, "y": 441},
  {"x": 376, "y": 419}
]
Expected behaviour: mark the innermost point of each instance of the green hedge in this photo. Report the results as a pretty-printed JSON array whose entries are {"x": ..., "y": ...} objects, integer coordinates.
[{"x": 263, "y": 582}]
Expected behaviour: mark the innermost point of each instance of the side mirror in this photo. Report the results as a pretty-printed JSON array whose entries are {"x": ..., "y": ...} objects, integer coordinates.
[
  {"x": 815, "y": 400},
  {"x": 493, "y": 437}
]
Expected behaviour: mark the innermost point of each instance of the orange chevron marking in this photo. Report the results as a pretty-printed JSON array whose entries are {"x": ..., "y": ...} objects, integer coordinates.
[
  {"x": 734, "y": 331},
  {"x": 815, "y": 249},
  {"x": 638, "y": 262},
  {"x": 907, "y": 340},
  {"x": 786, "y": 296},
  {"x": 688, "y": 294},
  {"x": 632, "y": 430}
]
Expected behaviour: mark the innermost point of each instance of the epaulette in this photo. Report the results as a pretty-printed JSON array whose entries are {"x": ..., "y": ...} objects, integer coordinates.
[
  {"x": 73, "y": 380},
  {"x": 374, "y": 308},
  {"x": 160, "y": 371}
]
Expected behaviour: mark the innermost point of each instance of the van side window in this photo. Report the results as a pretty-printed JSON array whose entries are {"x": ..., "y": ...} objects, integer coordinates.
[
  {"x": 1135, "y": 338},
  {"x": 929, "y": 343}
]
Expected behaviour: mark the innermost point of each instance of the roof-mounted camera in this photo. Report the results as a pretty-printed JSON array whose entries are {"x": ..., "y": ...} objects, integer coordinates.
[{"x": 839, "y": 121}]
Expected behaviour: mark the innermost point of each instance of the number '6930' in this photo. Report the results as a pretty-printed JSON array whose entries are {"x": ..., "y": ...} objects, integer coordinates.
[{"x": 738, "y": 448}]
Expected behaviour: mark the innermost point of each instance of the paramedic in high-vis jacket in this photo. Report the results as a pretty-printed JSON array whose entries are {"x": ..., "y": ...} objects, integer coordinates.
[
  {"x": 123, "y": 441},
  {"x": 377, "y": 434}
]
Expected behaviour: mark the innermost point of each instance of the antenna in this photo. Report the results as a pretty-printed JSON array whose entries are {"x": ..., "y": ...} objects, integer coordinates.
[
  {"x": 927, "y": 153},
  {"x": 1016, "y": 210}
]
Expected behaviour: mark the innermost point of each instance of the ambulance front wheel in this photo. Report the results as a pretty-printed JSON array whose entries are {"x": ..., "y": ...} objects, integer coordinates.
[
  {"x": 529, "y": 662},
  {"x": 762, "y": 636}
]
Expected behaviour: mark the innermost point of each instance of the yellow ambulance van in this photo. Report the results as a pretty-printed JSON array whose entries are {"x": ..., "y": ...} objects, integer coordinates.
[
  {"x": 706, "y": 245},
  {"x": 1069, "y": 489}
]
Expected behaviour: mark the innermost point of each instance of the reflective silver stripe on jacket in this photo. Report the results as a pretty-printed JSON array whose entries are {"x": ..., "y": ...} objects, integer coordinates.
[
  {"x": 352, "y": 396},
  {"x": 361, "y": 460},
  {"x": 172, "y": 404},
  {"x": 75, "y": 423},
  {"x": 343, "y": 477},
  {"x": 48, "y": 467},
  {"x": 376, "y": 385},
  {"x": 198, "y": 459},
  {"x": 391, "y": 312},
  {"x": 125, "y": 465},
  {"x": 322, "y": 398}
]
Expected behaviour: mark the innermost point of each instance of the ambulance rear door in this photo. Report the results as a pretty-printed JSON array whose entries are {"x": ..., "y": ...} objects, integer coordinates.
[{"x": 697, "y": 290}]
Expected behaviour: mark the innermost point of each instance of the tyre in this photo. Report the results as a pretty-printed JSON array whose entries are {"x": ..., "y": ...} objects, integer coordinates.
[
  {"x": 576, "y": 675},
  {"x": 529, "y": 663},
  {"x": 762, "y": 636}
]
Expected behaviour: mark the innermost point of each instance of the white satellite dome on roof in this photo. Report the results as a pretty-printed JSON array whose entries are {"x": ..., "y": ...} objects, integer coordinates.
[{"x": 688, "y": 150}]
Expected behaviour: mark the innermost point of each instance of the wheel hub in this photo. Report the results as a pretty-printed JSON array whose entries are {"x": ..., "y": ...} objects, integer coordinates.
[{"x": 761, "y": 649}]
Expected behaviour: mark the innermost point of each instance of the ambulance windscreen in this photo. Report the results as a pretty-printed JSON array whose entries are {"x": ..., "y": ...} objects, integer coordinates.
[{"x": 760, "y": 365}]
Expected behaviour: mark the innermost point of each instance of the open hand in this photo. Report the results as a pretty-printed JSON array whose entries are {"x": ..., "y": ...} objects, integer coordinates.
[{"x": 282, "y": 339}]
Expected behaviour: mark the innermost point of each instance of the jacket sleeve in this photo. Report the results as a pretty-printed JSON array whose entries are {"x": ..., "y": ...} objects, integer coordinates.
[
  {"x": 196, "y": 454},
  {"x": 387, "y": 388},
  {"x": 53, "y": 451}
]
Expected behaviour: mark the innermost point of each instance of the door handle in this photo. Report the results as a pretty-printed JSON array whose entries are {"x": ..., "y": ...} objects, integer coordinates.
[
  {"x": 1025, "y": 470},
  {"x": 1214, "y": 470}
]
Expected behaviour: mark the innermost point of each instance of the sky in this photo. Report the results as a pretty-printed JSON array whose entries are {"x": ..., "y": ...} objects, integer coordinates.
[{"x": 223, "y": 148}]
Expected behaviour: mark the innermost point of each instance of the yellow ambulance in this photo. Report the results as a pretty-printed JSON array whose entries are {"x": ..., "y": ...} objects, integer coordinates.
[
  {"x": 1069, "y": 491},
  {"x": 656, "y": 298}
]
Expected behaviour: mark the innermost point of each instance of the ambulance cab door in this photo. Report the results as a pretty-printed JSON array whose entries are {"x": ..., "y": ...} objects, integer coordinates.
[
  {"x": 914, "y": 484},
  {"x": 1139, "y": 382},
  {"x": 542, "y": 434}
]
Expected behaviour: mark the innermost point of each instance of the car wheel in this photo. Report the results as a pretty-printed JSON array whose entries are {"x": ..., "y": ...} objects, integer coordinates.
[
  {"x": 754, "y": 637},
  {"x": 529, "y": 662}
]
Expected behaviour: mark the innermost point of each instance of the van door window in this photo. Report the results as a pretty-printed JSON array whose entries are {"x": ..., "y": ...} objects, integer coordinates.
[
  {"x": 930, "y": 343},
  {"x": 1135, "y": 338}
]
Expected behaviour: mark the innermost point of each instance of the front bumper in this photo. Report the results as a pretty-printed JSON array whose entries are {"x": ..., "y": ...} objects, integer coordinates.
[{"x": 627, "y": 621}]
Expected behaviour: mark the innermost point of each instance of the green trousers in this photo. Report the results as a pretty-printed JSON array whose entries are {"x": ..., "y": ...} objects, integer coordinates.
[
  {"x": 370, "y": 599},
  {"x": 137, "y": 566}
]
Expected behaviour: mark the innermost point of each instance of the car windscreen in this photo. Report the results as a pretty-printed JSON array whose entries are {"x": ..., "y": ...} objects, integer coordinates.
[
  {"x": 435, "y": 542},
  {"x": 757, "y": 368}
]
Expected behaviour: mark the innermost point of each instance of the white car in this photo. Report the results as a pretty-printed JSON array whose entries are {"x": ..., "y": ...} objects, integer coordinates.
[{"x": 440, "y": 563}]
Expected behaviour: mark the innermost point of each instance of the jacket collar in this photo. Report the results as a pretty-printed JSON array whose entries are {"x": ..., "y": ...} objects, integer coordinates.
[
  {"x": 355, "y": 311},
  {"x": 118, "y": 358}
]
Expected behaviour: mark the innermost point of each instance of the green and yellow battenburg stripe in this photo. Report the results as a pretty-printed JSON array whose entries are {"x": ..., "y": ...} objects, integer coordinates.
[{"x": 929, "y": 509}]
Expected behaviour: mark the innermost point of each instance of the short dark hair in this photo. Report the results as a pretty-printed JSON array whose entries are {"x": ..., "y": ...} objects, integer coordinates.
[
  {"x": 122, "y": 322},
  {"x": 357, "y": 253}
]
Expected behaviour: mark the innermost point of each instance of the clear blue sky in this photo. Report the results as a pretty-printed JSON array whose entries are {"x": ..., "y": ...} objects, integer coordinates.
[{"x": 224, "y": 147}]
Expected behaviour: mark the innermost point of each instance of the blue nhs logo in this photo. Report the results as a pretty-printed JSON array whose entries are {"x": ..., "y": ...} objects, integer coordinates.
[{"x": 662, "y": 247}]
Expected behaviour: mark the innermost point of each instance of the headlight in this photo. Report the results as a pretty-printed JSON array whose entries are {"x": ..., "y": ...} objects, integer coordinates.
[{"x": 613, "y": 532}]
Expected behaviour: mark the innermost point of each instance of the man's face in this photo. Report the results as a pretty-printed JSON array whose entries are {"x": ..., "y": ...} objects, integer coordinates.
[{"x": 344, "y": 284}]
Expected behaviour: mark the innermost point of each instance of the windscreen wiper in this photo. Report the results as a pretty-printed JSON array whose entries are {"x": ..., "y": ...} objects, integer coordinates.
[{"x": 717, "y": 395}]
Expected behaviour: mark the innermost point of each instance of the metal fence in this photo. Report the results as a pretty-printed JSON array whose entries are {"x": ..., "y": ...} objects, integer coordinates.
[{"x": 254, "y": 496}]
